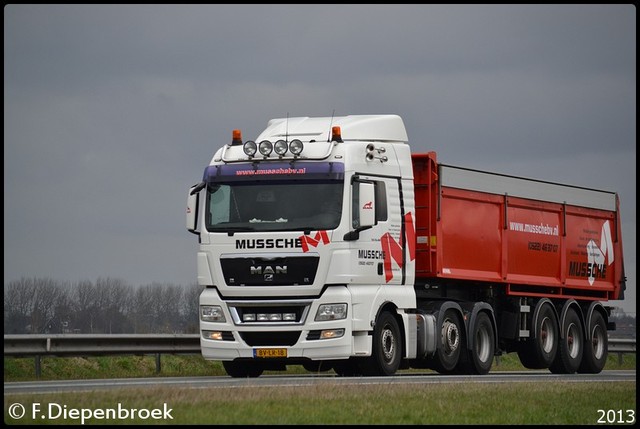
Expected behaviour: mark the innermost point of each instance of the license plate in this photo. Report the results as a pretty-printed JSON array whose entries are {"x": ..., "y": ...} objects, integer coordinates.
[{"x": 270, "y": 353}]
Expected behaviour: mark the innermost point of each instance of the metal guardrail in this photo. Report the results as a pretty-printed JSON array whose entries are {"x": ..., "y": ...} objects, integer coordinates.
[
  {"x": 622, "y": 345},
  {"x": 99, "y": 344},
  {"x": 39, "y": 345}
]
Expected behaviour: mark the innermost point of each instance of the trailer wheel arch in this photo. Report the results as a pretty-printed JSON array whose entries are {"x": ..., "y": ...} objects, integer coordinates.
[
  {"x": 477, "y": 308},
  {"x": 594, "y": 306},
  {"x": 591, "y": 362},
  {"x": 570, "y": 351},
  {"x": 532, "y": 352},
  {"x": 536, "y": 314},
  {"x": 571, "y": 303}
]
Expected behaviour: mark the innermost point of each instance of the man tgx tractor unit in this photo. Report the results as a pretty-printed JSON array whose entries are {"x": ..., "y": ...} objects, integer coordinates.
[{"x": 326, "y": 243}]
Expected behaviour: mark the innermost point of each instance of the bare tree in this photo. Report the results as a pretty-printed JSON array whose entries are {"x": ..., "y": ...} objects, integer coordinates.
[
  {"x": 30, "y": 305},
  {"x": 109, "y": 305},
  {"x": 190, "y": 308}
]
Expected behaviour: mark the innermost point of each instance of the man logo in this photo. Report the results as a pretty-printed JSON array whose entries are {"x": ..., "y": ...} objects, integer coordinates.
[{"x": 268, "y": 270}]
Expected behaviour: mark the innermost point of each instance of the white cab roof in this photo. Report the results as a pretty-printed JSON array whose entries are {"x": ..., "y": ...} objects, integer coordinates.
[{"x": 389, "y": 128}]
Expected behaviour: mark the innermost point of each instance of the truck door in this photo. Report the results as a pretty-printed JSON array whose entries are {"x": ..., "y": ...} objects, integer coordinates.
[{"x": 379, "y": 248}]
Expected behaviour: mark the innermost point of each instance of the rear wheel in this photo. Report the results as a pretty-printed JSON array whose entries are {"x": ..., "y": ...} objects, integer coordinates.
[
  {"x": 386, "y": 353},
  {"x": 539, "y": 352},
  {"x": 451, "y": 342},
  {"x": 570, "y": 347},
  {"x": 596, "y": 349},
  {"x": 242, "y": 369},
  {"x": 479, "y": 359}
]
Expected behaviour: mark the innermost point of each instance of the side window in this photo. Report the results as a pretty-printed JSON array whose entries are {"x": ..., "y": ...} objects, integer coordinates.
[{"x": 219, "y": 203}]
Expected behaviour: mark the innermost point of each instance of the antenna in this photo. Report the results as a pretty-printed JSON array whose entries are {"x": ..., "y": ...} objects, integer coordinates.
[
  {"x": 286, "y": 129},
  {"x": 330, "y": 125}
]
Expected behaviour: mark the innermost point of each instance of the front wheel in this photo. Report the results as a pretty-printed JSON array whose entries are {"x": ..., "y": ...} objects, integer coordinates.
[{"x": 387, "y": 347}]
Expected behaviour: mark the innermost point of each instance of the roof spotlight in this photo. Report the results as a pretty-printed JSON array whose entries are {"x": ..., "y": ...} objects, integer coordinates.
[
  {"x": 280, "y": 147},
  {"x": 265, "y": 147},
  {"x": 296, "y": 147},
  {"x": 250, "y": 148}
]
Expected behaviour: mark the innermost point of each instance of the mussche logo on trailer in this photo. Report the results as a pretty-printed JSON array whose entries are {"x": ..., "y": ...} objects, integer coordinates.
[{"x": 598, "y": 257}]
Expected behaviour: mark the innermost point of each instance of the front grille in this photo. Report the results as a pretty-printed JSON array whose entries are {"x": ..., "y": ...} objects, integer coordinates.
[
  {"x": 270, "y": 271},
  {"x": 268, "y": 339}
]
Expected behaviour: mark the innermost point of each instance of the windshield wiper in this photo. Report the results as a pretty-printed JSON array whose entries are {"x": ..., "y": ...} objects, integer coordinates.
[{"x": 233, "y": 229}]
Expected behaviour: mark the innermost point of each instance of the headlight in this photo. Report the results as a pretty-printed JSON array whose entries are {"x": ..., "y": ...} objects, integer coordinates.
[
  {"x": 211, "y": 313},
  {"x": 331, "y": 312},
  {"x": 265, "y": 147},
  {"x": 250, "y": 148},
  {"x": 296, "y": 147}
]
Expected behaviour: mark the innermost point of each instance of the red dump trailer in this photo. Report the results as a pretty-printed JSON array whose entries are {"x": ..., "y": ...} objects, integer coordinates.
[
  {"x": 542, "y": 254},
  {"x": 535, "y": 238}
]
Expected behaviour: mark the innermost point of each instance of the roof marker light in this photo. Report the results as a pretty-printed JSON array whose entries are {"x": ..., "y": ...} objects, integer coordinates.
[
  {"x": 336, "y": 134},
  {"x": 236, "y": 139}
]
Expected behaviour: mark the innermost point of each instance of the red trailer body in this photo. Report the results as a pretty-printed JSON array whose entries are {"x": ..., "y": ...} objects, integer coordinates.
[{"x": 535, "y": 238}]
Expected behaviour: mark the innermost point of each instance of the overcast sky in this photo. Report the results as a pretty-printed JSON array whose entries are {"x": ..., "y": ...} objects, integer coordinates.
[{"x": 111, "y": 112}]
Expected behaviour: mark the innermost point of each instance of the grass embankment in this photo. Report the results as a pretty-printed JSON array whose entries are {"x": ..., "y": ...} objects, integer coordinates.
[{"x": 332, "y": 403}]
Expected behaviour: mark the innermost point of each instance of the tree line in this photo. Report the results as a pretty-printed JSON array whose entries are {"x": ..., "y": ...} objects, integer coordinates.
[
  {"x": 106, "y": 306},
  {"x": 112, "y": 306}
]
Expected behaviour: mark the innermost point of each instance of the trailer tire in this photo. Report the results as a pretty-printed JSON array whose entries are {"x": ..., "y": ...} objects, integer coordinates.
[
  {"x": 571, "y": 347},
  {"x": 386, "y": 352},
  {"x": 242, "y": 369},
  {"x": 479, "y": 359},
  {"x": 451, "y": 343},
  {"x": 539, "y": 352},
  {"x": 594, "y": 356}
]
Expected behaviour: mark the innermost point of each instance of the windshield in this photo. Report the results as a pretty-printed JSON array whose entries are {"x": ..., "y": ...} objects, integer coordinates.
[{"x": 274, "y": 205}]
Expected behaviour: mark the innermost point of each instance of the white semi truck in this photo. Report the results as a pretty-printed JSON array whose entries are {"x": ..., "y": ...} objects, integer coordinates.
[{"x": 327, "y": 243}]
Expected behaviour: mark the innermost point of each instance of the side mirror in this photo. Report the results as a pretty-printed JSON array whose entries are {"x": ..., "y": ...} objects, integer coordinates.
[
  {"x": 193, "y": 200},
  {"x": 364, "y": 209}
]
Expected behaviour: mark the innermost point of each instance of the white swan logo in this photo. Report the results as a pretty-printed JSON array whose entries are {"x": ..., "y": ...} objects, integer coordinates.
[{"x": 598, "y": 255}]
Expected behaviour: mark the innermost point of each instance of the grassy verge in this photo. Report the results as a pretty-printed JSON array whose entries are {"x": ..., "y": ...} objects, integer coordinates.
[
  {"x": 69, "y": 368},
  {"x": 328, "y": 403}
]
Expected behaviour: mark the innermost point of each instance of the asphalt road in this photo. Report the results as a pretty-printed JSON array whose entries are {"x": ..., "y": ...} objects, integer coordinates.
[{"x": 306, "y": 380}]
